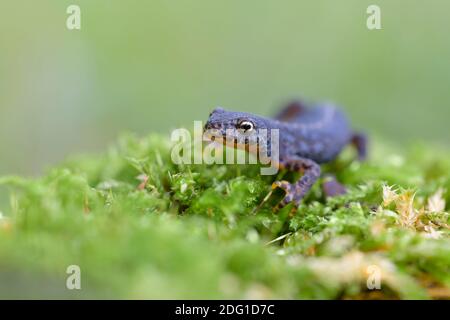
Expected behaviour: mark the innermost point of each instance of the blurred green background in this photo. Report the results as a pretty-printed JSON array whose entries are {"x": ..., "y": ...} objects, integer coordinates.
[{"x": 147, "y": 66}]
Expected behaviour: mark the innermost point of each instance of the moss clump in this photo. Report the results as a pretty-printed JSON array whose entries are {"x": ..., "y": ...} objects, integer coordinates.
[{"x": 141, "y": 227}]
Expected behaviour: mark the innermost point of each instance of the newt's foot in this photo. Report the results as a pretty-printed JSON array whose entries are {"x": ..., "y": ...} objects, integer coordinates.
[
  {"x": 290, "y": 196},
  {"x": 310, "y": 171},
  {"x": 332, "y": 188}
]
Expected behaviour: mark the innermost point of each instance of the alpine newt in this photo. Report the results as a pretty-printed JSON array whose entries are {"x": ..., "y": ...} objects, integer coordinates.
[{"x": 308, "y": 136}]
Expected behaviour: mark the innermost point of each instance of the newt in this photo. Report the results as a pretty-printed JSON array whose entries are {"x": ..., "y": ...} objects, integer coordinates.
[{"x": 308, "y": 137}]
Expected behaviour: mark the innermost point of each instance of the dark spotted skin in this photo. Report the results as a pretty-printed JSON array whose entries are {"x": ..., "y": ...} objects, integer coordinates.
[{"x": 308, "y": 137}]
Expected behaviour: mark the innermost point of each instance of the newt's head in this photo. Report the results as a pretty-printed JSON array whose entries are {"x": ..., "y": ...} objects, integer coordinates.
[{"x": 237, "y": 129}]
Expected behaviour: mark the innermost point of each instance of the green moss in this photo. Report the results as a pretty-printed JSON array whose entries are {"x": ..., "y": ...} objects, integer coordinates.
[{"x": 141, "y": 227}]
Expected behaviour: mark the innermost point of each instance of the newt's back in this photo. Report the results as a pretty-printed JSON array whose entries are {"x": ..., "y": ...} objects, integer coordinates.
[{"x": 318, "y": 133}]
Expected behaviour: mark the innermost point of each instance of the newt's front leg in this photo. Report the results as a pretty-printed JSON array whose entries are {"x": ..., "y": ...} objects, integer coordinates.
[{"x": 296, "y": 191}]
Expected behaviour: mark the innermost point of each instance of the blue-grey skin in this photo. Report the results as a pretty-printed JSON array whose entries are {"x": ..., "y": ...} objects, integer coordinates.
[{"x": 308, "y": 137}]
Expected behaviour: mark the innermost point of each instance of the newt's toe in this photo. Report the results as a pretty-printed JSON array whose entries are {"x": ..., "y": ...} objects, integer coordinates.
[
  {"x": 289, "y": 197},
  {"x": 283, "y": 184}
]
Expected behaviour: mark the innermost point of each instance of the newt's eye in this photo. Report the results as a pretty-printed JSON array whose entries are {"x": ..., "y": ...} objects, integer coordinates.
[{"x": 246, "y": 125}]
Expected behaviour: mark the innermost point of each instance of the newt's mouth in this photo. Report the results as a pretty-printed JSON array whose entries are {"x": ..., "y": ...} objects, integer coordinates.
[{"x": 229, "y": 141}]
